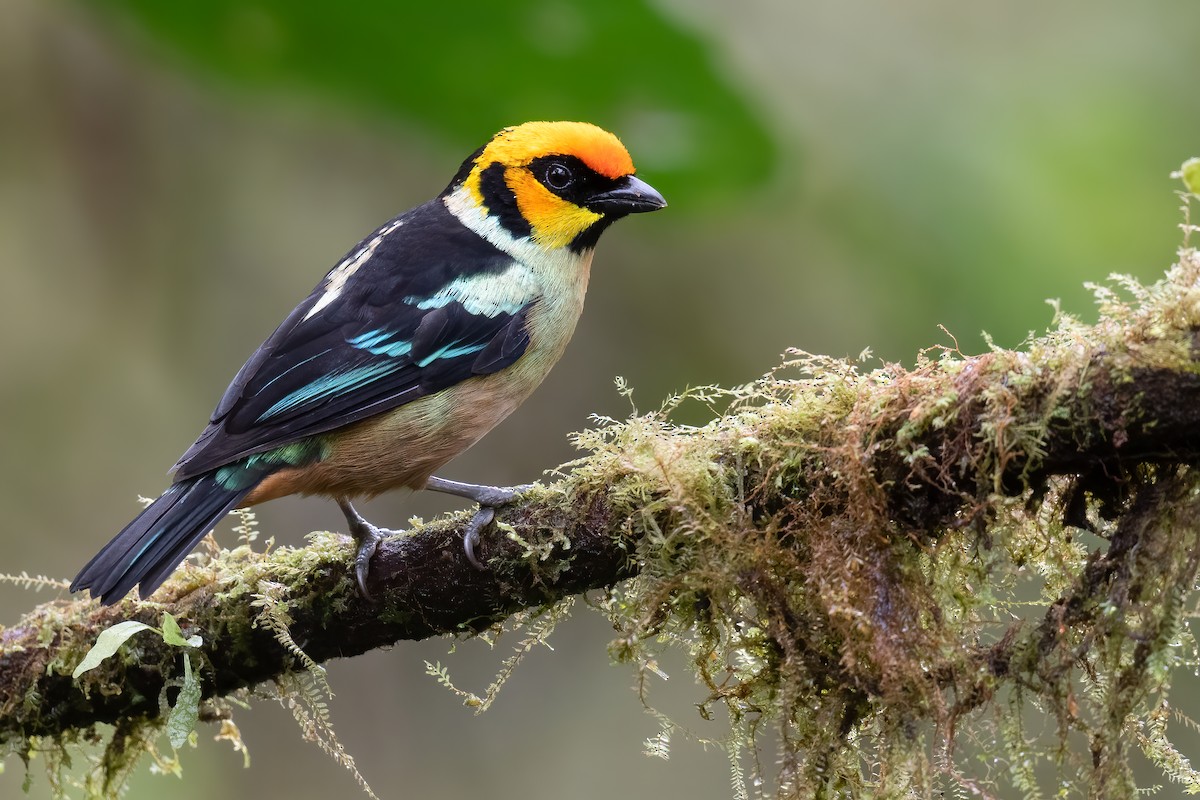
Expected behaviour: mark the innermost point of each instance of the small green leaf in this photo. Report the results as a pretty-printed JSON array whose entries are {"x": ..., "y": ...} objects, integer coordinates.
[
  {"x": 172, "y": 633},
  {"x": 186, "y": 710},
  {"x": 1190, "y": 173},
  {"x": 107, "y": 643}
]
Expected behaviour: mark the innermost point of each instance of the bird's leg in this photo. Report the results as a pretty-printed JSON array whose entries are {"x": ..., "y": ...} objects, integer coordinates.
[
  {"x": 489, "y": 499},
  {"x": 493, "y": 496},
  {"x": 368, "y": 537}
]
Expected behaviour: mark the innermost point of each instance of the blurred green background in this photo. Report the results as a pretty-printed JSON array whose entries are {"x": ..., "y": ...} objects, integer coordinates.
[{"x": 174, "y": 177}]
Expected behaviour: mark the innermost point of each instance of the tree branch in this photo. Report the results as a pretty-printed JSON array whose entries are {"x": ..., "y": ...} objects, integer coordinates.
[{"x": 422, "y": 581}]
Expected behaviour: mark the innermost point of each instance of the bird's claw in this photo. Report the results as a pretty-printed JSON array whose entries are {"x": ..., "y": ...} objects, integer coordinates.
[
  {"x": 489, "y": 498},
  {"x": 368, "y": 537},
  {"x": 483, "y": 517},
  {"x": 367, "y": 545}
]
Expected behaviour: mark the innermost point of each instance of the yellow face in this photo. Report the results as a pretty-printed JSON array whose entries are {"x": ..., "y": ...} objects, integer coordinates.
[{"x": 554, "y": 220}]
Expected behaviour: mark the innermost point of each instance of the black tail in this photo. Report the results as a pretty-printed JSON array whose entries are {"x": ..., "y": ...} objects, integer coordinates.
[{"x": 149, "y": 549}]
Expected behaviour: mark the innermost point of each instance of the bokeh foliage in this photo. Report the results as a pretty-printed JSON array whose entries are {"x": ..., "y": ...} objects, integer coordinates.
[{"x": 467, "y": 70}]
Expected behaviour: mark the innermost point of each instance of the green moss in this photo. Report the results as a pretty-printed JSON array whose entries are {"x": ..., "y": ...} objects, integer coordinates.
[{"x": 883, "y": 645}]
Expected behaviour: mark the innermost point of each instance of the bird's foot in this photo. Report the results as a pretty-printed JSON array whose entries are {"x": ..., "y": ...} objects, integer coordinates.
[
  {"x": 483, "y": 517},
  {"x": 489, "y": 499},
  {"x": 368, "y": 537},
  {"x": 493, "y": 496}
]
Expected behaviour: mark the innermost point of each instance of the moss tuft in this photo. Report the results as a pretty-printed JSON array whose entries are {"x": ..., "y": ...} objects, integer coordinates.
[{"x": 897, "y": 615}]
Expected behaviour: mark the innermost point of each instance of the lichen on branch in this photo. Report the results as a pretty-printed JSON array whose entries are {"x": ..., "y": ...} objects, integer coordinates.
[{"x": 894, "y": 570}]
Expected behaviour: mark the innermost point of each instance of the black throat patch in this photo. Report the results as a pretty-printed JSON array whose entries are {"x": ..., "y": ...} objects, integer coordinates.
[{"x": 501, "y": 202}]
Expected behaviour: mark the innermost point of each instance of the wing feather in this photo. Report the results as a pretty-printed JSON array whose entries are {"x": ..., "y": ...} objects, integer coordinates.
[{"x": 392, "y": 322}]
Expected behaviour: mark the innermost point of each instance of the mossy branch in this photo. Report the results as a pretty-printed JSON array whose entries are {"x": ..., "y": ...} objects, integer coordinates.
[
  {"x": 835, "y": 549},
  {"x": 422, "y": 582}
]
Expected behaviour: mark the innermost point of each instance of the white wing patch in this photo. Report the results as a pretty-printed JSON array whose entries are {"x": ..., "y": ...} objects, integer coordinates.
[
  {"x": 488, "y": 294},
  {"x": 335, "y": 281}
]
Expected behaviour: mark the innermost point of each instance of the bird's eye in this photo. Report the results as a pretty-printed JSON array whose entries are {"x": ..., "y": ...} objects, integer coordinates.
[{"x": 558, "y": 176}]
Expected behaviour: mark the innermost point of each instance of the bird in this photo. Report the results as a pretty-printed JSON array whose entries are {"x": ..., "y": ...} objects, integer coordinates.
[{"x": 429, "y": 332}]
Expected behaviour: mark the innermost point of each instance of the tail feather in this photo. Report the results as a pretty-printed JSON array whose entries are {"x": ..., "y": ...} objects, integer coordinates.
[{"x": 149, "y": 548}]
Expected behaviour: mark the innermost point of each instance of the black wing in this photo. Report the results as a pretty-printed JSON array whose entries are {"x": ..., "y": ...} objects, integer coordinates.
[{"x": 384, "y": 328}]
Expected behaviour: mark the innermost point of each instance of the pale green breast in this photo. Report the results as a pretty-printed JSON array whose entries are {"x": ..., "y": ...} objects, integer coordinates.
[{"x": 552, "y": 319}]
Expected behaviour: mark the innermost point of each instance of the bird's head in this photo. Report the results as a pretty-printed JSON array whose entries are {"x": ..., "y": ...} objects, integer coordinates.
[{"x": 558, "y": 183}]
